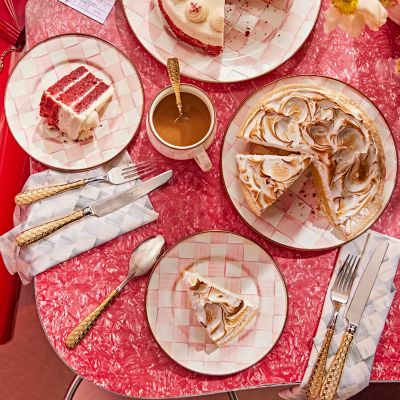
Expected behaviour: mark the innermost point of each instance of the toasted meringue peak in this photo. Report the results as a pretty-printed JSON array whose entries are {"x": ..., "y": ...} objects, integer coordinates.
[
  {"x": 197, "y": 11},
  {"x": 217, "y": 19},
  {"x": 266, "y": 177},
  {"x": 349, "y": 160},
  {"x": 222, "y": 313}
]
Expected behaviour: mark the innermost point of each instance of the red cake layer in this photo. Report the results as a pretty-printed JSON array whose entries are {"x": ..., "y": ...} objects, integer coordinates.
[
  {"x": 91, "y": 97},
  {"x": 77, "y": 90},
  {"x": 209, "y": 49},
  {"x": 61, "y": 84},
  {"x": 49, "y": 109}
]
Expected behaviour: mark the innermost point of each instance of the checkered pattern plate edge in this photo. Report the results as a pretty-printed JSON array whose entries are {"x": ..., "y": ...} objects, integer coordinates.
[
  {"x": 235, "y": 263},
  {"x": 294, "y": 220},
  {"x": 44, "y": 65},
  {"x": 257, "y": 38}
]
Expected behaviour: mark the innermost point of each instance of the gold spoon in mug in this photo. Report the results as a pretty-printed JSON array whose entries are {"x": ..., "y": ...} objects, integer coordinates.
[
  {"x": 175, "y": 79},
  {"x": 142, "y": 260}
]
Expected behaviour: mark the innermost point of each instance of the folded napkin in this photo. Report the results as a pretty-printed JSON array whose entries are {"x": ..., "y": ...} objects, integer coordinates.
[
  {"x": 357, "y": 370},
  {"x": 77, "y": 237}
]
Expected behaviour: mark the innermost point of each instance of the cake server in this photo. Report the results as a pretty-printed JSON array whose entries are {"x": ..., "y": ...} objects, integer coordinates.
[
  {"x": 115, "y": 176},
  {"x": 98, "y": 209},
  {"x": 142, "y": 260},
  {"x": 353, "y": 317}
]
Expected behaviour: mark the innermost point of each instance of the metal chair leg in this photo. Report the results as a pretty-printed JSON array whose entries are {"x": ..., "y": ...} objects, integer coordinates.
[
  {"x": 232, "y": 396},
  {"x": 73, "y": 387}
]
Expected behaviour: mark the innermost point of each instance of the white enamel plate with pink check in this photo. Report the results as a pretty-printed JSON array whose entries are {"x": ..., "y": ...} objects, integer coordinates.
[
  {"x": 258, "y": 38},
  {"x": 48, "y": 62},
  {"x": 295, "y": 219},
  {"x": 238, "y": 265}
]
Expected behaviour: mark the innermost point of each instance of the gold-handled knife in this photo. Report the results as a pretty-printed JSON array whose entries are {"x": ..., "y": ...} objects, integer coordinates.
[
  {"x": 98, "y": 209},
  {"x": 353, "y": 317}
]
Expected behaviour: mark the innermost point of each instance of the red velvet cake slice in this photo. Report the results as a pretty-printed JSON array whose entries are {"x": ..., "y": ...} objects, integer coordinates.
[
  {"x": 73, "y": 103},
  {"x": 199, "y": 23}
]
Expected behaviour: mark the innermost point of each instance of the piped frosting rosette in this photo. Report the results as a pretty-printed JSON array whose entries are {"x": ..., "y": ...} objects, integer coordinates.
[{"x": 349, "y": 168}]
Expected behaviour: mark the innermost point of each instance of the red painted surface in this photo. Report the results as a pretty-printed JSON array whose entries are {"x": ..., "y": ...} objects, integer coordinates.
[
  {"x": 14, "y": 170},
  {"x": 119, "y": 353}
]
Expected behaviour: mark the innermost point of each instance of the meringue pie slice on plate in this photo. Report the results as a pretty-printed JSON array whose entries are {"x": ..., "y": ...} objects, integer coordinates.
[
  {"x": 264, "y": 178},
  {"x": 223, "y": 314},
  {"x": 216, "y": 303}
]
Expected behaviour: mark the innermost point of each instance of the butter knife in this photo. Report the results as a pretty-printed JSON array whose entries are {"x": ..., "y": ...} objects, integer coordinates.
[
  {"x": 98, "y": 209},
  {"x": 353, "y": 317}
]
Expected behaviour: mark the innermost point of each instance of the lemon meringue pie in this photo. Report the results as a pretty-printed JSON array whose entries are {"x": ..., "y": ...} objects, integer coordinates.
[
  {"x": 223, "y": 314},
  {"x": 349, "y": 162},
  {"x": 266, "y": 177}
]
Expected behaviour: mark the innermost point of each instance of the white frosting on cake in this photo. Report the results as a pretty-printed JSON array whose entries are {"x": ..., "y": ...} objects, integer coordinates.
[
  {"x": 79, "y": 126},
  {"x": 197, "y": 24},
  {"x": 222, "y": 313}
]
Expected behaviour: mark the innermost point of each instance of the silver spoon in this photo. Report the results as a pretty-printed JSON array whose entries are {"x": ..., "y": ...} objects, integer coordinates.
[{"x": 141, "y": 261}]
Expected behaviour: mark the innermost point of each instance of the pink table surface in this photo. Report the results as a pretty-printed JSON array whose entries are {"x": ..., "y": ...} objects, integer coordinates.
[{"x": 120, "y": 353}]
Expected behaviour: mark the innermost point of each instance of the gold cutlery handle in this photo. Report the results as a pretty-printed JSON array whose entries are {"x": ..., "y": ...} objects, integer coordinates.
[
  {"x": 318, "y": 373},
  {"x": 32, "y": 235},
  {"x": 84, "y": 326},
  {"x": 332, "y": 378},
  {"x": 30, "y": 196},
  {"x": 174, "y": 76}
]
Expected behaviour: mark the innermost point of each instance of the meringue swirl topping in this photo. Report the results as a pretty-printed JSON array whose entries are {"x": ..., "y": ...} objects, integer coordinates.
[
  {"x": 267, "y": 177},
  {"x": 349, "y": 165},
  {"x": 222, "y": 313}
]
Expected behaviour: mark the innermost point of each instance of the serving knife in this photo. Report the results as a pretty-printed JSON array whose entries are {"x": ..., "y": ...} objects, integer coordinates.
[
  {"x": 98, "y": 209},
  {"x": 353, "y": 317}
]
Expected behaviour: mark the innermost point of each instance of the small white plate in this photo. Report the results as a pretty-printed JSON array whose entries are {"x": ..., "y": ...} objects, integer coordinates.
[
  {"x": 235, "y": 263},
  {"x": 294, "y": 220},
  {"x": 263, "y": 37},
  {"x": 45, "y": 64}
]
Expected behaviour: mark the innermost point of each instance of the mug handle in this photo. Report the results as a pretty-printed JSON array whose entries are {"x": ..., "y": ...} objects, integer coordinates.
[{"x": 202, "y": 158}]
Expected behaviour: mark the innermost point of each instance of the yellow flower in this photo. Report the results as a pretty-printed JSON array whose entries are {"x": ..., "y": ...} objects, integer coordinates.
[
  {"x": 353, "y": 15},
  {"x": 346, "y": 6}
]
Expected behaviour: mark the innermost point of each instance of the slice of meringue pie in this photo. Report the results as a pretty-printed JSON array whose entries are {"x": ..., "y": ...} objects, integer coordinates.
[
  {"x": 349, "y": 161},
  {"x": 223, "y": 314},
  {"x": 264, "y": 178}
]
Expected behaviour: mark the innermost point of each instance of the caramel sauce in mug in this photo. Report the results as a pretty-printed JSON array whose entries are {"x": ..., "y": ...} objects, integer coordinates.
[{"x": 184, "y": 131}]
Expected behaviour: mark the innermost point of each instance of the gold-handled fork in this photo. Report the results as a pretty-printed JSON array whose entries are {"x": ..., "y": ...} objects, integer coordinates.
[
  {"x": 115, "y": 176},
  {"x": 339, "y": 295}
]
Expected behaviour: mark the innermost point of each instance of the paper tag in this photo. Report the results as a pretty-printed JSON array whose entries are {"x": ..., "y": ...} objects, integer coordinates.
[{"x": 95, "y": 9}]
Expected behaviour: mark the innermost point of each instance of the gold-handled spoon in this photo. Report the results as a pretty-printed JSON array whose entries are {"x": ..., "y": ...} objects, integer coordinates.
[
  {"x": 141, "y": 261},
  {"x": 175, "y": 79}
]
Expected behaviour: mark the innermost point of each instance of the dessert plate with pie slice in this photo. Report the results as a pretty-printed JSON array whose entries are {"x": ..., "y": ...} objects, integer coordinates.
[
  {"x": 327, "y": 201},
  {"x": 47, "y": 63},
  {"x": 244, "y": 274},
  {"x": 223, "y": 41}
]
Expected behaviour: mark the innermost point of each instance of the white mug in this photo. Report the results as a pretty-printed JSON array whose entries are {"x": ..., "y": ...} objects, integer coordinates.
[{"x": 196, "y": 150}]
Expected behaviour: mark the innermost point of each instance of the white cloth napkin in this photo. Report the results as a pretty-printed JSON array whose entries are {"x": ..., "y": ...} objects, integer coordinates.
[
  {"x": 79, "y": 236},
  {"x": 360, "y": 359}
]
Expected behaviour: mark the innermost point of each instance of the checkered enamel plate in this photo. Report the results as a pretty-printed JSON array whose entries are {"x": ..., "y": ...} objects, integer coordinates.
[
  {"x": 294, "y": 220},
  {"x": 240, "y": 266},
  {"x": 43, "y": 66},
  {"x": 258, "y": 38}
]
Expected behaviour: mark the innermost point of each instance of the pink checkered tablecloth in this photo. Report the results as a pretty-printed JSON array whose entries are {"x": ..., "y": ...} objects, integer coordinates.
[{"x": 120, "y": 353}]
